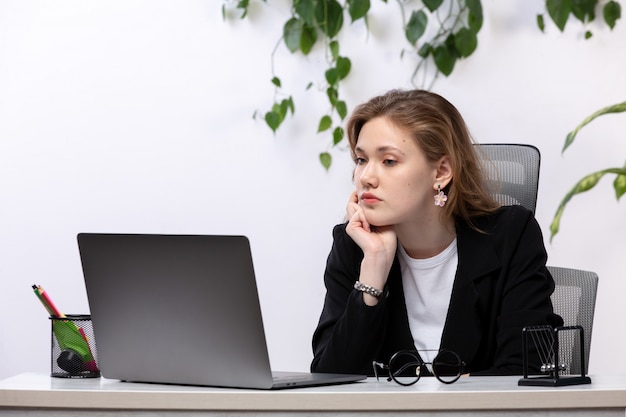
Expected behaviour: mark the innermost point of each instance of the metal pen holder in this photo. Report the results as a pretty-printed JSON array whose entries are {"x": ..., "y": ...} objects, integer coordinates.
[{"x": 73, "y": 347}]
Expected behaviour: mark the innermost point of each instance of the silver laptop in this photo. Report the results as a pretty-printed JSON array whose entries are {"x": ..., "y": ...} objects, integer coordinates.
[{"x": 181, "y": 309}]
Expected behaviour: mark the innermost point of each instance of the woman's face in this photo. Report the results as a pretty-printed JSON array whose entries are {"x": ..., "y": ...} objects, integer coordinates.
[{"x": 395, "y": 182}]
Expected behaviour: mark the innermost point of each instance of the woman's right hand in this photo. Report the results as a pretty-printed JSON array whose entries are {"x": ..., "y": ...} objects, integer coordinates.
[{"x": 378, "y": 244}]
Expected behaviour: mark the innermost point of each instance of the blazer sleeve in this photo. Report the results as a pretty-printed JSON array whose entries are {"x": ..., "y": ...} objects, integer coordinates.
[{"x": 349, "y": 332}]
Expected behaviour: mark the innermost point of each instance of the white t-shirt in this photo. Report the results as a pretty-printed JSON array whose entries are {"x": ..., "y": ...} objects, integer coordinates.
[{"x": 427, "y": 287}]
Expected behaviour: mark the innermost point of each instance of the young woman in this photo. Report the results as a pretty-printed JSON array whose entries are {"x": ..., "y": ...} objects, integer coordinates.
[{"x": 427, "y": 259}]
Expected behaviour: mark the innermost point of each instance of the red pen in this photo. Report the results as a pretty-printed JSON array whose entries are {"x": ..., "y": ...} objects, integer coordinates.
[{"x": 89, "y": 365}]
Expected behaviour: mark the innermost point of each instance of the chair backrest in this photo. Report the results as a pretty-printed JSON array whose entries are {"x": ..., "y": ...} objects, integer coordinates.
[
  {"x": 512, "y": 171},
  {"x": 513, "y": 175},
  {"x": 574, "y": 299}
]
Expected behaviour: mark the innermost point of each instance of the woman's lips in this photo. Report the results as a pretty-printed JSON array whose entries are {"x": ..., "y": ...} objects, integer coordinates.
[{"x": 369, "y": 198}]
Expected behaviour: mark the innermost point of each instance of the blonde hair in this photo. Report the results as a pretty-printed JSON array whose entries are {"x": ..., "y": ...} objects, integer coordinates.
[{"x": 439, "y": 130}]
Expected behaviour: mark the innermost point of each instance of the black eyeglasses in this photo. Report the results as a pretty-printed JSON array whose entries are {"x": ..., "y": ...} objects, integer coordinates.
[{"x": 406, "y": 367}]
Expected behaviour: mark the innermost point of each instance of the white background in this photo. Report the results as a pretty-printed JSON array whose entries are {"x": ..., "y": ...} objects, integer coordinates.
[{"x": 136, "y": 116}]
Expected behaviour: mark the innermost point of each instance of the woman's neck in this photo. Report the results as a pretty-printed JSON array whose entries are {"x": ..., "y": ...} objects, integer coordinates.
[{"x": 425, "y": 239}]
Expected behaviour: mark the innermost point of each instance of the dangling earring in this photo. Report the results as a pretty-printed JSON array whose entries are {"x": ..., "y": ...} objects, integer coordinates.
[{"x": 440, "y": 197}]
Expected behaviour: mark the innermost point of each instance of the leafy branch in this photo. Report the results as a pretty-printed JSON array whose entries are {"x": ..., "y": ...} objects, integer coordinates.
[
  {"x": 560, "y": 12},
  {"x": 437, "y": 31},
  {"x": 455, "y": 24},
  {"x": 591, "y": 180},
  {"x": 583, "y": 10}
]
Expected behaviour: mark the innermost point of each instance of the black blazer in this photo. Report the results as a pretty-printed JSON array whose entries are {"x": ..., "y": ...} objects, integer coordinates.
[{"x": 501, "y": 285}]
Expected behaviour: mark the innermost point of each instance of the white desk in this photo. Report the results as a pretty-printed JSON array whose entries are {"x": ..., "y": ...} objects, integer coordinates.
[{"x": 36, "y": 394}]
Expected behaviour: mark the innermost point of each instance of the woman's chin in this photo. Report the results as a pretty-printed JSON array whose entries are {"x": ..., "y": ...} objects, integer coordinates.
[
  {"x": 379, "y": 223},
  {"x": 377, "y": 219}
]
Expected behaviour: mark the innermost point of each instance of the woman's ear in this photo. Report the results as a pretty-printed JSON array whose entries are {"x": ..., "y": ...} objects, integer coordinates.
[{"x": 443, "y": 175}]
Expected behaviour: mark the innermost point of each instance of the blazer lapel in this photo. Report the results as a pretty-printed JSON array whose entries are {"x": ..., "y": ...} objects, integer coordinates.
[{"x": 477, "y": 257}]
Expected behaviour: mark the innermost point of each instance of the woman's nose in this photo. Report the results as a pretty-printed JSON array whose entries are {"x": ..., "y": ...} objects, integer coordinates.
[{"x": 369, "y": 176}]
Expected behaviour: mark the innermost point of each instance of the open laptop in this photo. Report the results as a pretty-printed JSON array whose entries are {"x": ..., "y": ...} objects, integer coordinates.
[{"x": 181, "y": 309}]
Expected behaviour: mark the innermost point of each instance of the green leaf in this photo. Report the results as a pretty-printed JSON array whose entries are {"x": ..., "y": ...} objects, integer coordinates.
[
  {"x": 275, "y": 117},
  {"x": 332, "y": 76},
  {"x": 584, "y": 10},
  {"x": 332, "y": 94},
  {"x": 444, "y": 59},
  {"x": 559, "y": 11},
  {"x": 306, "y": 10},
  {"x": 416, "y": 26},
  {"x": 337, "y": 135},
  {"x": 425, "y": 50},
  {"x": 288, "y": 102},
  {"x": 540, "y": 23},
  {"x": 326, "y": 159},
  {"x": 273, "y": 120},
  {"x": 449, "y": 43},
  {"x": 342, "y": 109},
  {"x": 325, "y": 123},
  {"x": 281, "y": 110},
  {"x": 585, "y": 184},
  {"x": 620, "y": 185},
  {"x": 292, "y": 33},
  {"x": 329, "y": 16},
  {"x": 276, "y": 82},
  {"x": 308, "y": 39},
  {"x": 615, "y": 108},
  {"x": 432, "y": 5},
  {"x": 475, "y": 15},
  {"x": 465, "y": 41},
  {"x": 358, "y": 8},
  {"x": 243, "y": 4},
  {"x": 343, "y": 67},
  {"x": 588, "y": 34},
  {"x": 612, "y": 11},
  {"x": 334, "y": 50}
]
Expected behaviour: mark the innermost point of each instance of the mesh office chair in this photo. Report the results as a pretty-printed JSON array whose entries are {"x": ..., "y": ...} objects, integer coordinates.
[
  {"x": 513, "y": 173},
  {"x": 574, "y": 299}
]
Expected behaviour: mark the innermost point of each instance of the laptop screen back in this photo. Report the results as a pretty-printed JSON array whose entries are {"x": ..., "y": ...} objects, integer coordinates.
[{"x": 178, "y": 309}]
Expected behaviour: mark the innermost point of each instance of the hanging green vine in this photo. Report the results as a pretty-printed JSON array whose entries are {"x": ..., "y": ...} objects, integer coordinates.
[
  {"x": 560, "y": 12},
  {"x": 436, "y": 31},
  {"x": 439, "y": 31}
]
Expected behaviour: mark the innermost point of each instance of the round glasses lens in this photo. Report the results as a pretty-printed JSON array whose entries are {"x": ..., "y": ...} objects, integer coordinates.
[
  {"x": 405, "y": 367},
  {"x": 447, "y": 366}
]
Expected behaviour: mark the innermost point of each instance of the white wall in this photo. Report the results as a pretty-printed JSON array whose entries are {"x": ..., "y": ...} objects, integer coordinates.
[{"x": 136, "y": 116}]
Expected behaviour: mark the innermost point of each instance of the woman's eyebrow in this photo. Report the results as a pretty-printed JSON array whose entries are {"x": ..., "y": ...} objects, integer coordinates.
[{"x": 381, "y": 149}]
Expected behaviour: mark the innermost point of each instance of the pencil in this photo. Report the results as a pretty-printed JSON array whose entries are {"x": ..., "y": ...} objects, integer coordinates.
[
  {"x": 47, "y": 302},
  {"x": 38, "y": 294}
]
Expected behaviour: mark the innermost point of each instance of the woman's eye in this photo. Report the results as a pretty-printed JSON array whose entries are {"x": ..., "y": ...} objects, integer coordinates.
[
  {"x": 390, "y": 162},
  {"x": 359, "y": 161}
]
